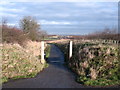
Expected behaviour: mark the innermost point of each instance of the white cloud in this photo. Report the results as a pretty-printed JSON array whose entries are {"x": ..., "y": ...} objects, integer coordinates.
[
  {"x": 109, "y": 11},
  {"x": 62, "y": 15},
  {"x": 5, "y": 2},
  {"x": 86, "y": 4},
  {"x": 59, "y": 15},
  {"x": 11, "y": 24},
  {"x": 55, "y": 22},
  {"x": 7, "y": 15},
  {"x": 3, "y": 9},
  {"x": 62, "y": 0}
]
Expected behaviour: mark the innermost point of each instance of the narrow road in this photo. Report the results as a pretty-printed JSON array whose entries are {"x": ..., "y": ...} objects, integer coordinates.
[{"x": 55, "y": 76}]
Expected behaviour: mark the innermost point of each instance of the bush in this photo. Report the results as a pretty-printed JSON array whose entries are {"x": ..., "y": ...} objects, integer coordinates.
[
  {"x": 94, "y": 64},
  {"x": 12, "y": 35}
]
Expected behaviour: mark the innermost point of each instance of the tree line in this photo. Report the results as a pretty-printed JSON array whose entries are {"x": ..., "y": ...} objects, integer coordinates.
[{"x": 106, "y": 34}]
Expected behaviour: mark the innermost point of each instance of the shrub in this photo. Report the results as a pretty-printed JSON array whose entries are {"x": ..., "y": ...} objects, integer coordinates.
[
  {"x": 94, "y": 64},
  {"x": 12, "y": 35}
]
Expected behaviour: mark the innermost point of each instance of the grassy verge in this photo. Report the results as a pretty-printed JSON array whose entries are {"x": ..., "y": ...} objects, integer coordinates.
[
  {"x": 31, "y": 75},
  {"x": 47, "y": 50},
  {"x": 94, "y": 64},
  {"x": 19, "y": 62}
]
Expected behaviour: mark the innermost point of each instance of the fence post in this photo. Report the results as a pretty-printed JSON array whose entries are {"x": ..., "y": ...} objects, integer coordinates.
[
  {"x": 116, "y": 42},
  {"x": 42, "y": 52},
  {"x": 70, "y": 50}
]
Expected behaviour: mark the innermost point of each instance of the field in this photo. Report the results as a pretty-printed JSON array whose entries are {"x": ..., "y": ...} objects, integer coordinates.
[{"x": 96, "y": 63}]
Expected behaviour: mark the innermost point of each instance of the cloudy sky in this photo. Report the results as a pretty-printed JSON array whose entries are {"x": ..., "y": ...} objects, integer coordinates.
[{"x": 64, "y": 17}]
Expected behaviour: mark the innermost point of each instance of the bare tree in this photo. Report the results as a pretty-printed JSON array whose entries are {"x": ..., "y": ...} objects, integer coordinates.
[
  {"x": 31, "y": 27},
  {"x": 43, "y": 34}
]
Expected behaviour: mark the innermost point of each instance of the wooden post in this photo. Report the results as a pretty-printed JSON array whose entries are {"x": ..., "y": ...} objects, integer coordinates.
[
  {"x": 70, "y": 50},
  {"x": 42, "y": 52}
]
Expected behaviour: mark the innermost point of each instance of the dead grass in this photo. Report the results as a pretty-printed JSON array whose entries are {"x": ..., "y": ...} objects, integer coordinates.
[{"x": 19, "y": 62}]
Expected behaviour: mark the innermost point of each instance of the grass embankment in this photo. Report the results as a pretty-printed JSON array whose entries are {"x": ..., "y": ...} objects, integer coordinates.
[
  {"x": 94, "y": 64},
  {"x": 19, "y": 62}
]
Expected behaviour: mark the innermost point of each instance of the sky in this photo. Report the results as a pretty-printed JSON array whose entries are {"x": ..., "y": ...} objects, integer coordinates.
[{"x": 77, "y": 18}]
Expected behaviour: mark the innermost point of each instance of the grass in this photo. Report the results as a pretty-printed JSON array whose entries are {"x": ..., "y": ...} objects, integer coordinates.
[
  {"x": 31, "y": 75},
  {"x": 46, "y": 65},
  {"x": 47, "y": 50},
  {"x": 19, "y": 62},
  {"x": 95, "y": 64}
]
